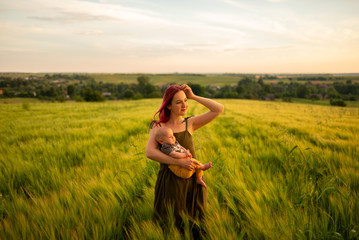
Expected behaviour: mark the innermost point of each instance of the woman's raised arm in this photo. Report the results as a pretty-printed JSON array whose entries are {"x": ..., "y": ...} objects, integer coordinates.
[
  {"x": 214, "y": 107},
  {"x": 152, "y": 152}
]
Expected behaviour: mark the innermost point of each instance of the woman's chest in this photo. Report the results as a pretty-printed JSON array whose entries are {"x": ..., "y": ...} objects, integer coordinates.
[{"x": 176, "y": 127}]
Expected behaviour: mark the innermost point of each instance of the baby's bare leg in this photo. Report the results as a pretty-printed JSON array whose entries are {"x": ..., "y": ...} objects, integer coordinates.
[
  {"x": 201, "y": 182},
  {"x": 206, "y": 166}
]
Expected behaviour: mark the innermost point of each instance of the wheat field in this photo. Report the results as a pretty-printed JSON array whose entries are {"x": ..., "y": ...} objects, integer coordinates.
[{"x": 78, "y": 171}]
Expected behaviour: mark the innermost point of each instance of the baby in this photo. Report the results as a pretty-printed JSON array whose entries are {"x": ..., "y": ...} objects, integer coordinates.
[{"x": 171, "y": 147}]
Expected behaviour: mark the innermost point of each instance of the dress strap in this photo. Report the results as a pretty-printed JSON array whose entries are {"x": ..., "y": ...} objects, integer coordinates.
[{"x": 186, "y": 121}]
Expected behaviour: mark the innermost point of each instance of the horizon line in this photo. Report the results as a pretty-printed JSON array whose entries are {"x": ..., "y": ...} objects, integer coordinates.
[{"x": 182, "y": 73}]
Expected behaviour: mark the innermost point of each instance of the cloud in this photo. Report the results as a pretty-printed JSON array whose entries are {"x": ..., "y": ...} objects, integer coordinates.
[
  {"x": 15, "y": 50},
  {"x": 71, "y": 17},
  {"x": 244, "y": 22},
  {"x": 65, "y": 11},
  {"x": 89, "y": 32},
  {"x": 275, "y": 1},
  {"x": 238, "y": 4}
]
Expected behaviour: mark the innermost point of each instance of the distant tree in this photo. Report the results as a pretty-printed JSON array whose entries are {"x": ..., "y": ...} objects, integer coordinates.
[
  {"x": 155, "y": 94},
  {"x": 314, "y": 97},
  {"x": 79, "y": 99},
  {"x": 148, "y": 89},
  {"x": 9, "y": 93},
  {"x": 92, "y": 96},
  {"x": 129, "y": 94},
  {"x": 302, "y": 91},
  {"x": 142, "y": 83},
  {"x": 261, "y": 82},
  {"x": 246, "y": 81},
  {"x": 87, "y": 94},
  {"x": 137, "y": 96},
  {"x": 71, "y": 90},
  {"x": 143, "y": 80},
  {"x": 333, "y": 93},
  {"x": 197, "y": 89},
  {"x": 61, "y": 99},
  {"x": 231, "y": 94},
  {"x": 239, "y": 89},
  {"x": 268, "y": 88},
  {"x": 337, "y": 102},
  {"x": 347, "y": 88},
  {"x": 145, "y": 87},
  {"x": 97, "y": 97},
  {"x": 286, "y": 99},
  {"x": 51, "y": 92}
]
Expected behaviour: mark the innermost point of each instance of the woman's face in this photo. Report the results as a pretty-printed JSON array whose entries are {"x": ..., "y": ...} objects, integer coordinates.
[{"x": 179, "y": 104}]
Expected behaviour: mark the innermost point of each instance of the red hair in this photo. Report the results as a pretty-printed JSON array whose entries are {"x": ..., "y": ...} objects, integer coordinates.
[{"x": 164, "y": 113}]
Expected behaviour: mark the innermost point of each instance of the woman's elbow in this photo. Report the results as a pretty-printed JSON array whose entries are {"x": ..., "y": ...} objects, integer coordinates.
[
  {"x": 221, "y": 108},
  {"x": 149, "y": 154}
]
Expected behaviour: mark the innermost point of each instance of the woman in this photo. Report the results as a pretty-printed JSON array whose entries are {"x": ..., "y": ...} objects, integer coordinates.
[{"x": 175, "y": 195}]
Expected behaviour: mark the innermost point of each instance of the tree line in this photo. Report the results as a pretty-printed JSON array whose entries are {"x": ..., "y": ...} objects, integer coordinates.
[{"x": 62, "y": 87}]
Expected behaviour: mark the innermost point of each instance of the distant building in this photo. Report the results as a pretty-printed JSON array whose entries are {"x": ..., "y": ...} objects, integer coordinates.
[
  {"x": 61, "y": 80},
  {"x": 104, "y": 94},
  {"x": 270, "y": 97}
]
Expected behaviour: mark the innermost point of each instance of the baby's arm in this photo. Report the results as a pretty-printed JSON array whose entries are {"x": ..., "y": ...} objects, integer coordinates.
[
  {"x": 175, "y": 154},
  {"x": 187, "y": 152}
]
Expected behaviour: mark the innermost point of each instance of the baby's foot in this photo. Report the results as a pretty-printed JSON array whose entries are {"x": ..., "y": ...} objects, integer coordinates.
[
  {"x": 206, "y": 166},
  {"x": 200, "y": 181}
]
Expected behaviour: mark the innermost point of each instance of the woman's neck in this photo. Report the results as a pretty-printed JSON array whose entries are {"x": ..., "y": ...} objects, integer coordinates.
[{"x": 174, "y": 120}]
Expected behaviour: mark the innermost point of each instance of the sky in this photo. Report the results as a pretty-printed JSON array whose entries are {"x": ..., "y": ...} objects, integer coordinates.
[{"x": 184, "y": 36}]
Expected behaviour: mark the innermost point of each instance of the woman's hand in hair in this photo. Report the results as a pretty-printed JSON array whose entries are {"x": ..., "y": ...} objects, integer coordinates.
[{"x": 188, "y": 91}]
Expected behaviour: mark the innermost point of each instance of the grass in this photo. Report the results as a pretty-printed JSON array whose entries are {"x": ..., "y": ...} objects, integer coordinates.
[
  {"x": 160, "y": 79},
  {"x": 78, "y": 171},
  {"x": 323, "y": 102},
  {"x": 18, "y": 100}
]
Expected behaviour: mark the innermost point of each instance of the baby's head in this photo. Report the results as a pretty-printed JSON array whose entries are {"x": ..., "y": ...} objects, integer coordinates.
[{"x": 165, "y": 135}]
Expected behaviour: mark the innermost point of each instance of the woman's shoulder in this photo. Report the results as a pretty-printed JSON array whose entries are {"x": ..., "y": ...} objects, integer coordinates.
[{"x": 153, "y": 128}]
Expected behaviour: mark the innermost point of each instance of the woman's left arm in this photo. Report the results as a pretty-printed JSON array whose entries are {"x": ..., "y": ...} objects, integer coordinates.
[{"x": 214, "y": 107}]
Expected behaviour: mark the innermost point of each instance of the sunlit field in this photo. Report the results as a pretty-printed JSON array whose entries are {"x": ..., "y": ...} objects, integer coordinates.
[{"x": 78, "y": 171}]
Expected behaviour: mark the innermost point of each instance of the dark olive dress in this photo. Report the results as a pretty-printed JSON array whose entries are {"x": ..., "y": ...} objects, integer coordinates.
[{"x": 182, "y": 196}]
